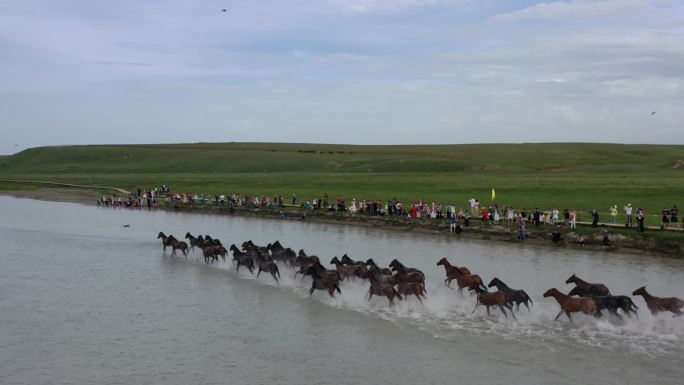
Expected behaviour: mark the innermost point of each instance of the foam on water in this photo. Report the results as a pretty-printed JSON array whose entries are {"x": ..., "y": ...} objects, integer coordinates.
[{"x": 447, "y": 315}]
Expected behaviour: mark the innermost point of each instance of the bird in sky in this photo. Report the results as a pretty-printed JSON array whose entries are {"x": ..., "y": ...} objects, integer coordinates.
[
  {"x": 224, "y": 10},
  {"x": 653, "y": 113}
]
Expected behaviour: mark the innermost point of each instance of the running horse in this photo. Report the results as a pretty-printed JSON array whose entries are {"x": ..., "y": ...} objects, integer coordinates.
[
  {"x": 512, "y": 295},
  {"x": 463, "y": 280},
  {"x": 497, "y": 298},
  {"x": 174, "y": 243},
  {"x": 612, "y": 303},
  {"x": 570, "y": 305},
  {"x": 381, "y": 287},
  {"x": 587, "y": 289},
  {"x": 321, "y": 281},
  {"x": 658, "y": 304}
]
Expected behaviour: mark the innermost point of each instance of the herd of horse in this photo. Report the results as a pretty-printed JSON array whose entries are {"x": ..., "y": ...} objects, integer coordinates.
[{"x": 399, "y": 281}]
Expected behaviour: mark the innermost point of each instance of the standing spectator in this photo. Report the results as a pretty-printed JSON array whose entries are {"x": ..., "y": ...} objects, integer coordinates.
[
  {"x": 554, "y": 216},
  {"x": 521, "y": 227},
  {"x": 640, "y": 220},
  {"x": 613, "y": 214},
  {"x": 573, "y": 219},
  {"x": 566, "y": 216},
  {"x": 536, "y": 216},
  {"x": 604, "y": 231},
  {"x": 294, "y": 199},
  {"x": 594, "y": 218},
  {"x": 452, "y": 219},
  {"x": 485, "y": 215},
  {"x": 628, "y": 212},
  {"x": 473, "y": 207},
  {"x": 674, "y": 216},
  {"x": 666, "y": 218}
]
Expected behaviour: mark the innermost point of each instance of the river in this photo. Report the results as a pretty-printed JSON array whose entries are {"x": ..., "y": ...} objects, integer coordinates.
[{"x": 84, "y": 300}]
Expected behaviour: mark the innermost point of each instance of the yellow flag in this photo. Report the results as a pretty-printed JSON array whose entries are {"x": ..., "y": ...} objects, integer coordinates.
[{"x": 493, "y": 194}]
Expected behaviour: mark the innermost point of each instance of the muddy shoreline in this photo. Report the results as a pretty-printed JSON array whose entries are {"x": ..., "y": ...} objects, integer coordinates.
[{"x": 536, "y": 236}]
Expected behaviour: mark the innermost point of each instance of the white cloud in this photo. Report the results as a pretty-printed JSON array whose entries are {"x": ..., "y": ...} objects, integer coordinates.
[
  {"x": 574, "y": 9},
  {"x": 373, "y": 6}
]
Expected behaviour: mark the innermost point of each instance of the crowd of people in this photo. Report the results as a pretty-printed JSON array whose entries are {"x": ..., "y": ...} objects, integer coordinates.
[{"x": 459, "y": 219}]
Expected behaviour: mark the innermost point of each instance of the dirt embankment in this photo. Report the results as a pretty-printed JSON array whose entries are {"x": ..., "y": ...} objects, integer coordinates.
[{"x": 536, "y": 236}]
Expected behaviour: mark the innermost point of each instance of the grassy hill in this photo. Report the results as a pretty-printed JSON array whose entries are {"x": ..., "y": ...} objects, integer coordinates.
[{"x": 573, "y": 175}]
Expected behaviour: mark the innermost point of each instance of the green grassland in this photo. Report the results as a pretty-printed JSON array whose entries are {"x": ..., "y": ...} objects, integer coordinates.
[{"x": 582, "y": 176}]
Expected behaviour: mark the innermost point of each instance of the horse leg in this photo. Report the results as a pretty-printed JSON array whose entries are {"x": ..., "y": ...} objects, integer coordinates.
[
  {"x": 313, "y": 286},
  {"x": 504, "y": 311},
  {"x": 488, "y": 310},
  {"x": 510, "y": 307},
  {"x": 569, "y": 316},
  {"x": 475, "y": 308},
  {"x": 419, "y": 299},
  {"x": 528, "y": 308},
  {"x": 274, "y": 276},
  {"x": 259, "y": 272},
  {"x": 558, "y": 315},
  {"x": 238, "y": 267}
]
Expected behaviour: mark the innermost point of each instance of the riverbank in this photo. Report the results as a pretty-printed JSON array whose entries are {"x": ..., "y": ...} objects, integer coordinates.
[{"x": 621, "y": 240}]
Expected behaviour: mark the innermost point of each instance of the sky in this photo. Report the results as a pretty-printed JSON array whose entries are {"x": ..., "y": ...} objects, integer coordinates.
[{"x": 340, "y": 71}]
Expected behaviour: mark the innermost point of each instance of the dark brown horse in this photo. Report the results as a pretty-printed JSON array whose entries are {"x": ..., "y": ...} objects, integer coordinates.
[
  {"x": 194, "y": 241},
  {"x": 406, "y": 274},
  {"x": 174, "y": 243},
  {"x": 322, "y": 282},
  {"x": 210, "y": 253},
  {"x": 360, "y": 268},
  {"x": 345, "y": 271},
  {"x": 512, "y": 295},
  {"x": 497, "y": 298},
  {"x": 572, "y": 305},
  {"x": 242, "y": 259},
  {"x": 265, "y": 263},
  {"x": 412, "y": 288},
  {"x": 379, "y": 287},
  {"x": 383, "y": 275},
  {"x": 589, "y": 289},
  {"x": 657, "y": 304},
  {"x": 612, "y": 303}
]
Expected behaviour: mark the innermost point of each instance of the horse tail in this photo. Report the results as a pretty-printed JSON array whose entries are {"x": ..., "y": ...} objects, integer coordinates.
[
  {"x": 528, "y": 298},
  {"x": 277, "y": 270}
]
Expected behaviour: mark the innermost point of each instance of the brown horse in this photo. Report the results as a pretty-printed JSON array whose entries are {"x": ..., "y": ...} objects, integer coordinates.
[
  {"x": 209, "y": 252},
  {"x": 657, "y": 304},
  {"x": 345, "y": 271},
  {"x": 497, "y": 298},
  {"x": 572, "y": 305},
  {"x": 463, "y": 280},
  {"x": 174, "y": 243},
  {"x": 412, "y": 288},
  {"x": 379, "y": 287},
  {"x": 589, "y": 289},
  {"x": 449, "y": 267}
]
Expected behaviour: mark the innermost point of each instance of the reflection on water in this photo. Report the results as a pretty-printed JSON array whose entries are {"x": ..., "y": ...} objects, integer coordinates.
[{"x": 85, "y": 300}]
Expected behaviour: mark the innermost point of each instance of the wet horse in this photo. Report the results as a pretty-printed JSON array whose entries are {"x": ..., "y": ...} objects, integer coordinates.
[
  {"x": 572, "y": 305},
  {"x": 322, "y": 282},
  {"x": 449, "y": 268},
  {"x": 406, "y": 274},
  {"x": 265, "y": 263},
  {"x": 345, "y": 271},
  {"x": 463, "y": 280},
  {"x": 591, "y": 289},
  {"x": 379, "y": 287},
  {"x": 612, "y": 303},
  {"x": 512, "y": 295},
  {"x": 658, "y": 304},
  {"x": 174, "y": 243},
  {"x": 497, "y": 298},
  {"x": 242, "y": 259}
]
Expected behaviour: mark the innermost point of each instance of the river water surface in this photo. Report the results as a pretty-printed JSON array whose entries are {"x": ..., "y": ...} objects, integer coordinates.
[{"x": 84, "y": 300}]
